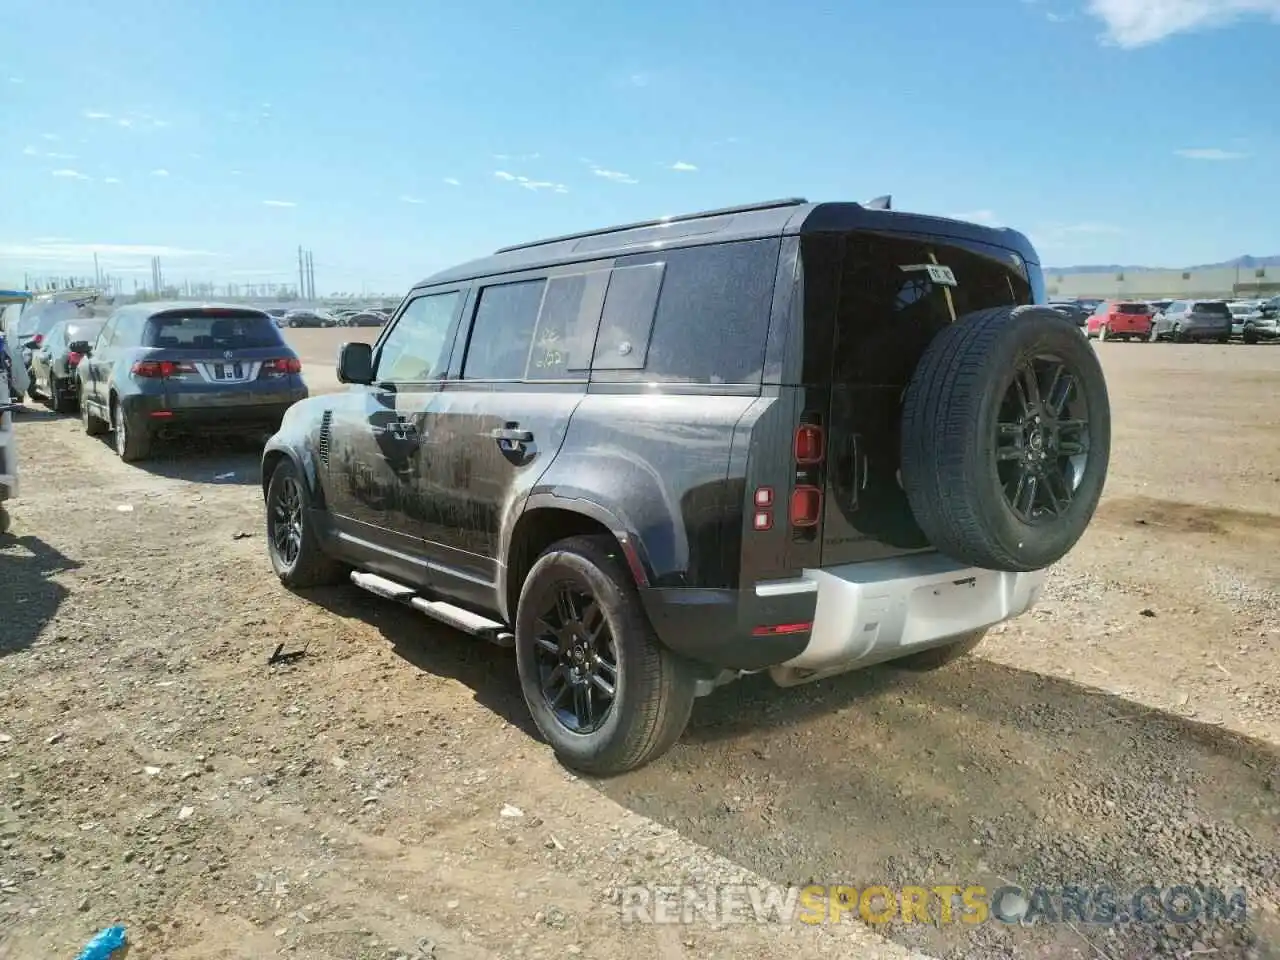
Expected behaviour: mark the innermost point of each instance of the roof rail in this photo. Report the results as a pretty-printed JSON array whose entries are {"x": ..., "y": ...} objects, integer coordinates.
[{"x": 724, "y": 211}]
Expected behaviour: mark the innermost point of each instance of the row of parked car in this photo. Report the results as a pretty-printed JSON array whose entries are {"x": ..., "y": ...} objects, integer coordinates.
[
  {"x": 148, "y": 371},
  {"x": 1181, "y": 321},
  {"x": 329, "y": 318}
]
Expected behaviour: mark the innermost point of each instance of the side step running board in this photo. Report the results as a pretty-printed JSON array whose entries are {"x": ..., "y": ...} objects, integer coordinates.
[{"x": 446, "y": 613}]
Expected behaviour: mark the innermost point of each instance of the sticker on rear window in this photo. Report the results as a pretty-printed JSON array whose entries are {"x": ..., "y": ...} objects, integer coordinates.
[{"x": 937, "y": 273}]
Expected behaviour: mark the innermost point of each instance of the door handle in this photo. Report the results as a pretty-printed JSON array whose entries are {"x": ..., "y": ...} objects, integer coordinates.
[{"x": 512, "y": 434}]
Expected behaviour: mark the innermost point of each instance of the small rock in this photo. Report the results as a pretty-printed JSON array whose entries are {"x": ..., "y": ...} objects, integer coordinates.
[
  {"x": 56, "y": 738},
  {"x": 574, "y": 949},
  {"x": 241, "y": 535},
  {"x": 84, "y": 905},
  {"x": 369, "y": 799},
  {"x": 1146, "y": 612},
  {"x": 511, "y": 812},
  {"x": 151, "y": 771},
  {"x": 5, "y": 738},
  {"x": 185, "y": 813}
]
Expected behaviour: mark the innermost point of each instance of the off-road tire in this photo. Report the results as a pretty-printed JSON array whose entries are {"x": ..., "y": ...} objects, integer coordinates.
[
  {"x": 1249, "y": 335},
  {"x": 950, "y": 420},
  {"x": 132, "y": 440},
  {"x": 937, "y": 657},
  {"x": 312, "y": 567},
  {"x": 94, "y": 425},
  {"x": 655, "y": 687}
]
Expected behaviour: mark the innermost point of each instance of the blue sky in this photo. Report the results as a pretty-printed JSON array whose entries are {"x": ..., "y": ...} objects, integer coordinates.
[{"x": 394, "y": 137}]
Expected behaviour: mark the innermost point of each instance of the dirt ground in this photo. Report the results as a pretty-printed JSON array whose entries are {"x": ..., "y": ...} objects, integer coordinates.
[{"x": 385, "y": 796}]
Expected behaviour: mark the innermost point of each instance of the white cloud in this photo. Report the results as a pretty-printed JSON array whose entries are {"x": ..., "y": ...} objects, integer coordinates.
[
  {"x": 110, "y": 179},
  {"x": 51, "y": 137},
  {"x": 405, "y": 198},
  {"x": 57, "y": 250},
  {"x": 639, "y": 79},
  {"x": 15, "y": 80},
  {"x": 529, "y": 184},
  {"x": 1138, "y": 23},
  {"x": 61, "y": 156},
  {"x": 70, "y": 174},
  {"x": 278, "y": 203},
  {"x": 236, "y": 173},
  {"x": 1058, "y": 17},
  {"x": 1210, "y": 153},
  {"x": 683, "y": 167},
  {"x": 125, "y": 122},
  {"x": 614, "y": 175},
  {"x": 453, "y": 181},
  {"x": 30, "y": 152},
  {"x": 160, "y": 172},
  {"x": 96, "y": 115}
]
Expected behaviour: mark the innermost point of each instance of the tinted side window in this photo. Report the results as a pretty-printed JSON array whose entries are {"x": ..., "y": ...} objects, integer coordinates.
[
  {"x": 414, "y": 349},
  {"x": 567, "y": 326},
  {"x": 502, "y": 332},
  {"x": 711, "y": 318}
]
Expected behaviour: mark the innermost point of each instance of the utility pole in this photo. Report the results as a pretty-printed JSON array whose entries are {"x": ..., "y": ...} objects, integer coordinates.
[
  {"x": 302, "y": 284},
  {"x": 97, "y": 273},
  {"x": 311, "y": 275}
]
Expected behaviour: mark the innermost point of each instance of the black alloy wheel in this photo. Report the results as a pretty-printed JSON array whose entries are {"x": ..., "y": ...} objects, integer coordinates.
[
  {"x": 1042, "y": 440},
  {"x": 577, "y": 659}
]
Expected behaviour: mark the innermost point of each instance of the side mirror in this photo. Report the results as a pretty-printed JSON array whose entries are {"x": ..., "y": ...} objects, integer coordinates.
[
  {"x": 82, "y": 347},
  {"x": 355, "y": 363}
]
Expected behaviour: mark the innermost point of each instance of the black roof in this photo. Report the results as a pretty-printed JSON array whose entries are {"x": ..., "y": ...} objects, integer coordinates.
[{"x": 773, "y": 218}]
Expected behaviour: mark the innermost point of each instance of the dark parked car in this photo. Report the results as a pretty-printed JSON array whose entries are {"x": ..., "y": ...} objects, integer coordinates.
[
  {"x": 792, "y": 437},
  {"x": 1072, "y": 310},
  {"x": 159, "y": 369},
  {"x": 308, "y": 318},
  {"x": 365, "y": 318},
  {"x": 1185, "y": 320},
  {"x": 54, "y": 362},
  {"x": 38, "y": 318}
]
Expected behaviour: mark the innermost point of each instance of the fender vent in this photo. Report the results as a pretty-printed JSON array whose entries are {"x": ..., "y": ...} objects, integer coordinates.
[{"x": 326, "y": 425}]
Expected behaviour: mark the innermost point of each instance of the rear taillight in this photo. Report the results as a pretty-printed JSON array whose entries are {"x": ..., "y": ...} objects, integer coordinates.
[
  {"x": 160, "y": 369},
  {"x": 806, "y": 506},
  {"x": 282, "y": 367},
  {"x": 37, "y": 339},
  {"x": 73, "y": 359},
  {"x": 809, "y": 449}
]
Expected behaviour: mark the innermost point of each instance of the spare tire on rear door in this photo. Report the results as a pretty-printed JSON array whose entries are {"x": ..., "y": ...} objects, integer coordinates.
[{"x": 1006, "y": 436}]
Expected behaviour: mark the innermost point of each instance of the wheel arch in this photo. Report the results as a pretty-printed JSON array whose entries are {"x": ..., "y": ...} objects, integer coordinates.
[
  {"x": 276, "y": 454},
  {"x": 546, "y": 519}
]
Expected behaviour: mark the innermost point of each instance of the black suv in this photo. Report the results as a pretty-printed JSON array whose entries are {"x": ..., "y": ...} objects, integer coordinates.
[
  {"x": 791, "y": 437},
  {"x": 160, "y": 369}
]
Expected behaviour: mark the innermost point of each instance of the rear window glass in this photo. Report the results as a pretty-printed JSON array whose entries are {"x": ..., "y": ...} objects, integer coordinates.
[
  {"x": 42, "y": 318},
  {"x": 1209, "y": 307},
  {"x": 208, "y": 332},
  {"x": 85, "y": 330},
  {"x": 1133, "y": 308}
]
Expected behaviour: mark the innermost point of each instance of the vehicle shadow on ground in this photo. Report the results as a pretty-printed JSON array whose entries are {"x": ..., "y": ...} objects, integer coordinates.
[
  {"x": 975, "y": 774},
  {"x": 216, "y": 460},
  {"x": 29, "y": 599},
  {"x": 489, "y": 670}
]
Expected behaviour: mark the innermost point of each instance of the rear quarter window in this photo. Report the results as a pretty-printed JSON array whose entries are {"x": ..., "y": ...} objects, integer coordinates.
[
  {"x": 692, "y": 315},
  {"x": 211, "y": 332},
  {"x": 1134, "y": 308},
  {"x": 1221, "y": 309}
]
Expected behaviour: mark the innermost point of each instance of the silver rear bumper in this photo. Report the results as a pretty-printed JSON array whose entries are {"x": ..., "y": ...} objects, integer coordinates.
[{"x": 871, "y": 612}]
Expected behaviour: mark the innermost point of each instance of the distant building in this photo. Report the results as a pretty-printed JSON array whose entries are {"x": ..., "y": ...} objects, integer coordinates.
[{"x": 1222, "y": 282}]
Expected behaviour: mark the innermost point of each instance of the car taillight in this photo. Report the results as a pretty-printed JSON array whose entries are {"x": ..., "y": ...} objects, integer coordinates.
[
  {"x": 282, "y": 367},
  {"x": 73, "y": 359},
  {"x": 808, "y": 444},
  {"x": 160, "y": 369},
  {"x": 37, "y": 339},
  {"x": 806, "y": 506}
]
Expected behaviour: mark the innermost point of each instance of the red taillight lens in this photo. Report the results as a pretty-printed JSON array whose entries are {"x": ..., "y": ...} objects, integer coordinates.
[
  {"x": 282, "y": 367},
  {"x": 782, "y": 629},
  {"x": 73, "y": 359},
  {"x": 37, "y": 339},
  {"x": 806, "y": 506},
  {"x": 808, "y": 444},
  {"x": 160, "y": 369}
]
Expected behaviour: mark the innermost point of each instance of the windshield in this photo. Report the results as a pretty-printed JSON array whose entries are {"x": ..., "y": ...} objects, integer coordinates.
[{"x": 211, "y": 332}]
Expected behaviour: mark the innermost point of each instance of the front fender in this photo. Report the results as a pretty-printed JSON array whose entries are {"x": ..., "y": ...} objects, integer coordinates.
[{"x": 296, "y": 440}]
